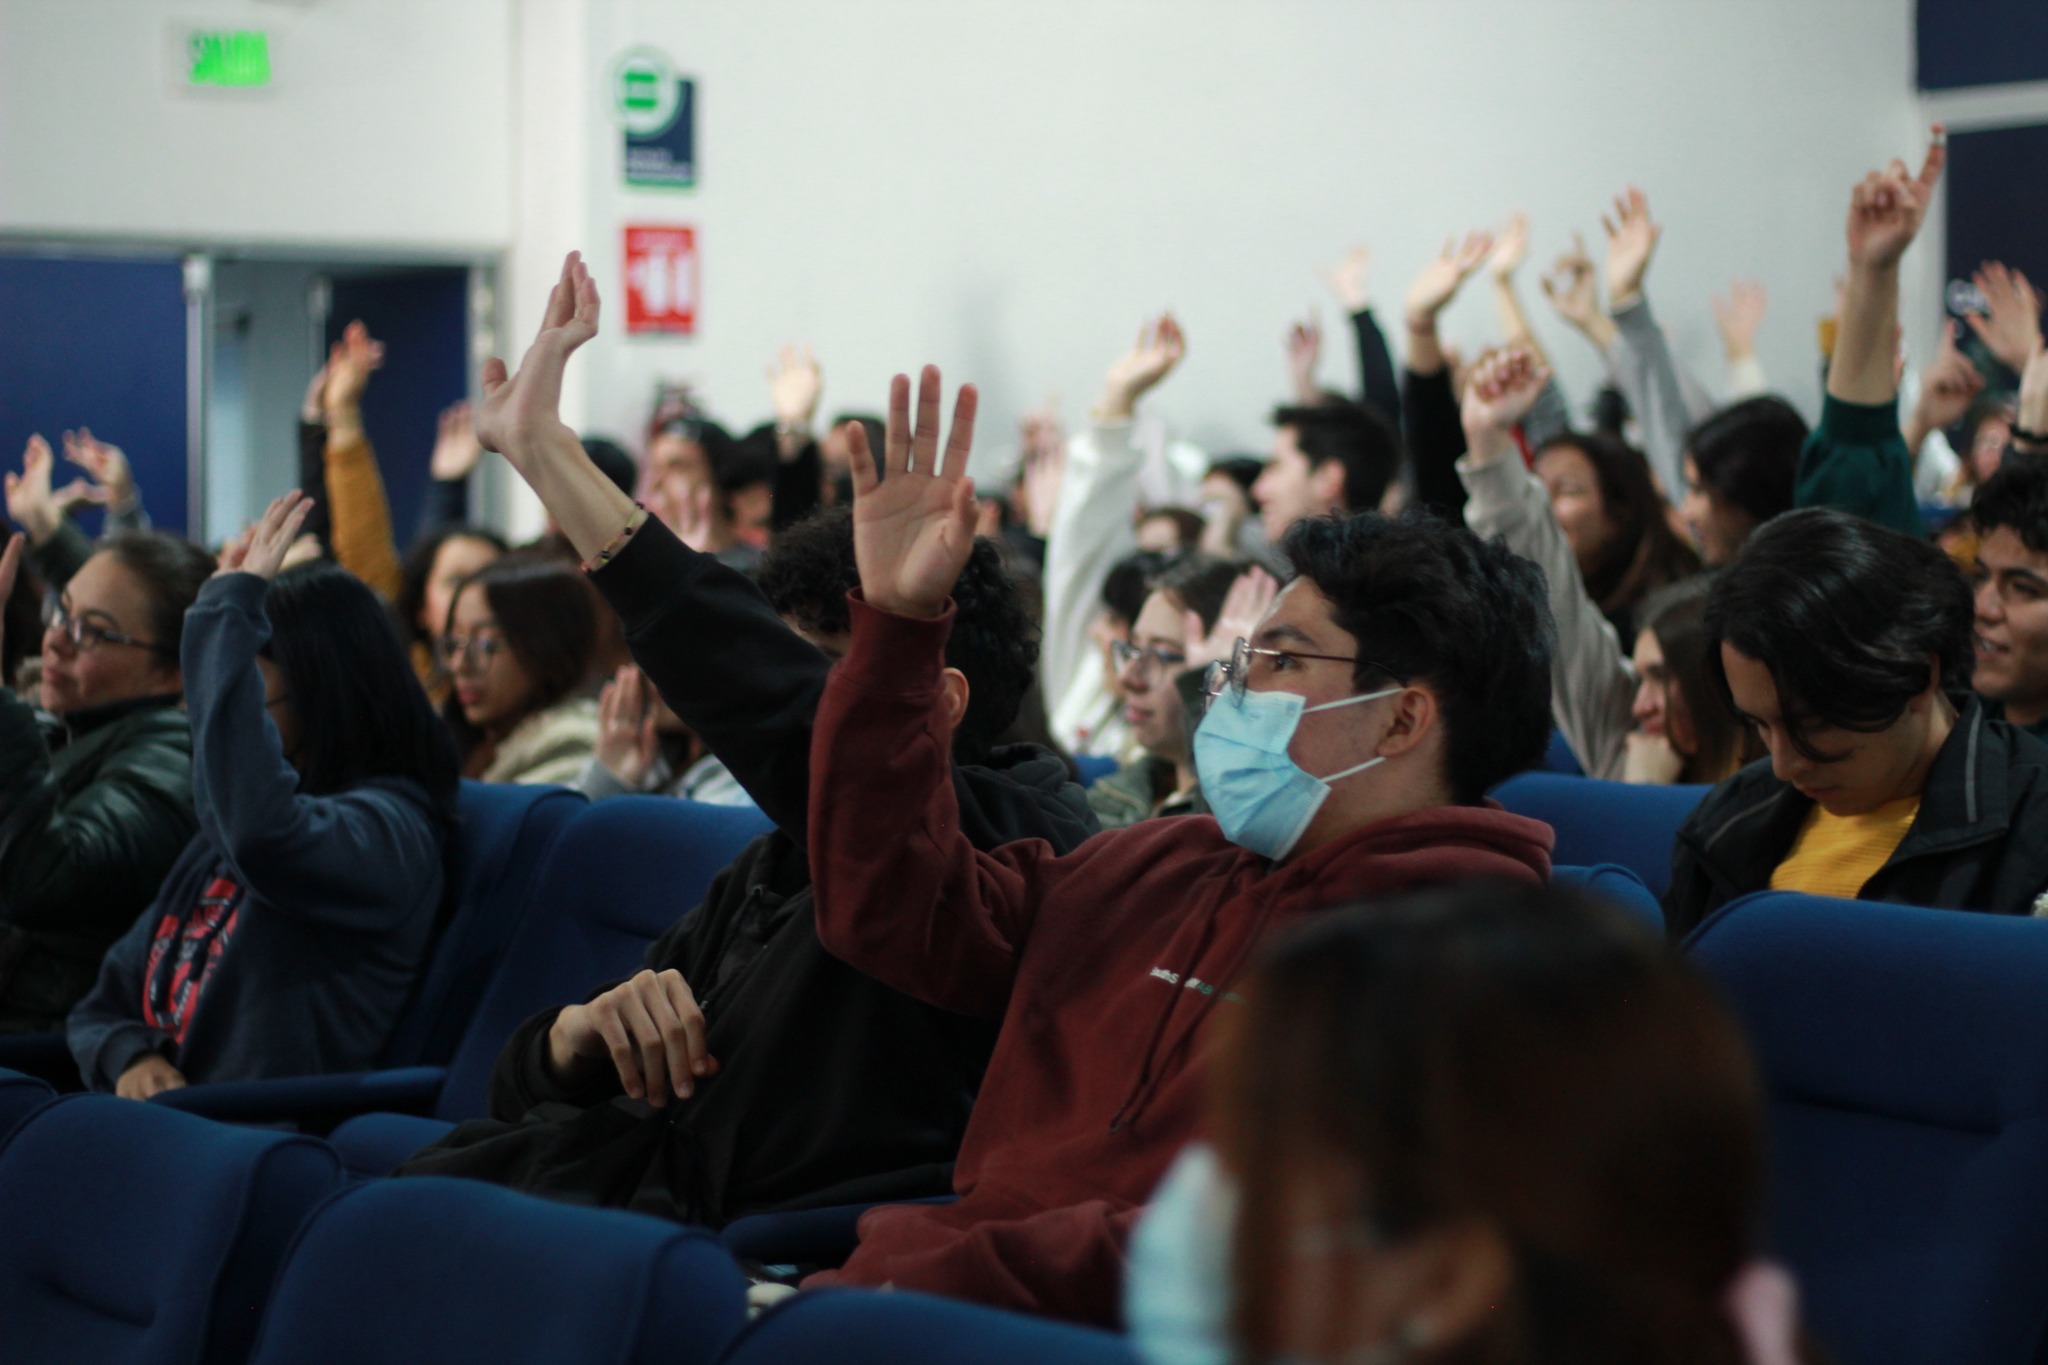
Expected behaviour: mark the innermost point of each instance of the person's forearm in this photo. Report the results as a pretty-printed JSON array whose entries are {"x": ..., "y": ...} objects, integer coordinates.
[
  {"x": 590, "y": 508},
  {"x": 359, "y": 511},
  {"x": 1435, "y": 440},
  {"x": 1379, "y": 389},
  {"x": 1514, "y": 322},
  {"x": 1425, "y": 348},
  {"x": 1640, "y": 360},
  {"x": 1861, "y": 370}
]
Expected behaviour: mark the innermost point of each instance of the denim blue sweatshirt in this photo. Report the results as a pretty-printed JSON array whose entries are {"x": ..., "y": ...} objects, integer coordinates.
[{"x": 323, "y": 905}]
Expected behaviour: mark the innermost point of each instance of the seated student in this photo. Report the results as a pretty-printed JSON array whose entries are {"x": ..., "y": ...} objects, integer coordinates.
[
  {"x": 1740, "y": 464},
  {"x": 1848, "y": 647},
  {"x": 1407, "y": 649},
  {"x": 1336, "y": 456},
  {"x": 1615, "y": 522},
  {"x": 746, "y": 1069},
  {"x": 1159, "y": 674},
  {"x": 689, "y": 461},
  {"x": 94, "y": 812},
  {"x": 1091, "y": 721},
  {"x": 437, "y": 565},
  {"x": 520, "y": 649},
  {"x": 643, "y": 748},
  {"x": 1652, "y": 718},
  {"x": 2010, "y": 512},
  {"x": 1481, "y": 1123},
  {"x": 286, "y": 940}
]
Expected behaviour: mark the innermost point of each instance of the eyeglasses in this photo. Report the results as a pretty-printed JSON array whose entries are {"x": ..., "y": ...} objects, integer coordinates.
[
  {"x": 1234, "y": 673},
  {"x": 1156, "y": 660},
  {"x": 86, "y": 635},
  {"x": 475, "y": 652}
]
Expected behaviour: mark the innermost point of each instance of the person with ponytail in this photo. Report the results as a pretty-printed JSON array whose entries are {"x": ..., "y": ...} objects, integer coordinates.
[{"x": 1479, "y": 1123}]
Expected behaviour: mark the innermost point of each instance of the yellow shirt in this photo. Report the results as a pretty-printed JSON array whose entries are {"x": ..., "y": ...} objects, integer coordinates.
[{"x": 1836, "y": 854}]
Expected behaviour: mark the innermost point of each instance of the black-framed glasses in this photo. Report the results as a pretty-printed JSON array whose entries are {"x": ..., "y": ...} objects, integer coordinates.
[
  {"x": 1156, "y": 660},
  {"x": 1232, "y": 674},
  {"x": 477, "y": 651},
  {"x": 86, "y": 635}
]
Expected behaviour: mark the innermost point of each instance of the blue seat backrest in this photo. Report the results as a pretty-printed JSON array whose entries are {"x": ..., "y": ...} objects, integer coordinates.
[
  {"x": 621, "y": 873},
  {"x": 1905, "y": 1054},
  {"x": 1617, "y": 885},
  {"x": 1559, "y": 758},
  {"x": 1093, "y": 768},
  {"x": 495, "y": 853},
  {"x": 1628, "y": 823},
  {"x": 867, "y": 1327},
  {"x": 448, "y": 1270},
  {"x": 21, "y": 1096},
  {"x": 137, "y": 1234}
]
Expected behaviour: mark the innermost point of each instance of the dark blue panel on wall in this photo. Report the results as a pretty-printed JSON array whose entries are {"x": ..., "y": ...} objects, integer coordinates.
[
  {"x": 422, "y": 317},
  {"x": 1982, "y": 42},
  {"x": 1998, "y": 201},
  {"x": 97, "y": 343}
]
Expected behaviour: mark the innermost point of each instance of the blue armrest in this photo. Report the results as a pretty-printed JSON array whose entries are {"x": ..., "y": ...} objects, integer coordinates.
[
  {"x": 806, "y": 1237},
  {"x": 411, "y": 1089}
]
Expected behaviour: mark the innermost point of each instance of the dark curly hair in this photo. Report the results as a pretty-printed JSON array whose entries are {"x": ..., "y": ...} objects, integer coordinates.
[
  {"x": 809, "y": 569},
  {"x": 2016, "y": 498},
  {"x": 1431, "y": 602},
  {"x": 1846, "y": 615}
]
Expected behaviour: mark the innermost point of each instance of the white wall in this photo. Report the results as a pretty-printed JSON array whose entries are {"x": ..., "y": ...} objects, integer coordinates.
[
  {"x": 1007, "y": 189},
  {"x": 386, "y": 126}
]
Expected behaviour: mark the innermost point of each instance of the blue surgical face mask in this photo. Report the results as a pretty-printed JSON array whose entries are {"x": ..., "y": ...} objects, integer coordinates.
[
  {"x": 1258, "y": 793},
  {"x": 1177, "y": 1290}
]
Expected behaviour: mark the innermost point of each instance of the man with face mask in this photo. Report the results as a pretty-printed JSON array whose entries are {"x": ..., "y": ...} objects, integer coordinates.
[{"x": 1346, "y": 752}]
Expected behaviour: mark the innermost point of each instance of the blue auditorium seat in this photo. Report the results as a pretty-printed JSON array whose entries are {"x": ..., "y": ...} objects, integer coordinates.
[
  {"x": 1905, "y": 1055},
  {"x": 1559, "y": 758},
  {"x": 400, "y": 1271},
  {"x": 138, "y": 1235},
  {"x": 1629, "y": 823},
  {"x": 499, "y": 845},
  {"x": 1617, "y": 884},
  {"x": 1094, "y": 767},
  {"x": 21, "y": 1096},
  {"x": 866, "y": 1327},
  {"x": 621, "y": 874}
]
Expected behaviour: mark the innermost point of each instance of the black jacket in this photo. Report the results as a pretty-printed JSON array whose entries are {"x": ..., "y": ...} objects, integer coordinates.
[
  {"x": 831, "y": 1087},
  {"x": 1980, "y": 841}
]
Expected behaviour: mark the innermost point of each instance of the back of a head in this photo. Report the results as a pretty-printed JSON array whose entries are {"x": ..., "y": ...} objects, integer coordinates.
[
  {"x": 613, "y": 461},
  {"x": 1199, "y": 582},
  {"x": 747, "y": 461},
  {"x": 1527, "y": 1060},
  {"x": 361, "y": 711},
  {"x": 548, "y": 614},
  {"x": 1748, "y": 452},
  {"x": 1846, "y": 615},
  {"x": 1353, "y": 434},
  {"x": 1128, "y": 581},
  {"x": 171, "y": 570},
  {"x": 2015, "y": 499},
  {"x": 809, "y": 569},
  {"x": 1431, "y": 602}
]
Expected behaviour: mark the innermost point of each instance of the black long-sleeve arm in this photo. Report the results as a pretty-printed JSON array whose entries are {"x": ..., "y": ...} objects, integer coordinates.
[
  {"x": 1435, "y": 437},
  {"x": 797, "y": 481},
  {"x": 1377, "y": 385}
]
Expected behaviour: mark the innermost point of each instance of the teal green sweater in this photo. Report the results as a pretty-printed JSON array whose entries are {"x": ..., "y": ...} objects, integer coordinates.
[{"x": 1857, "y": 460}]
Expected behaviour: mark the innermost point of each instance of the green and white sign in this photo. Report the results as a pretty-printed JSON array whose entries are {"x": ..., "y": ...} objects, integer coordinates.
[
  {"x": 644, "y": 92},
  {"x": 658, "y": 111},
  {"x": 227, "y": 58}
]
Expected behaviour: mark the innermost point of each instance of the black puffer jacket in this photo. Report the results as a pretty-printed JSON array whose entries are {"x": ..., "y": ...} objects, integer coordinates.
[
  {"x": 87, "y": 833},
  {"x": 1980, "y": 841}
]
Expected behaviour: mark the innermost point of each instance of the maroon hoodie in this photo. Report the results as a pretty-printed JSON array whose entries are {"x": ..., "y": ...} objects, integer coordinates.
[{"x": 1103, "y": 967}]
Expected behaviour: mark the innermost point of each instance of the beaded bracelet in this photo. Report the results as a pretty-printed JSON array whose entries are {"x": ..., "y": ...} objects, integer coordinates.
[{"x": 618, "y": 542}]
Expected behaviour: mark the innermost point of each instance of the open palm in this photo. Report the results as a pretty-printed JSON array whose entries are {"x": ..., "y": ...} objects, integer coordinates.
[
  {"x": 913, "y": 521},
  {"x": 520, "y": 411}
]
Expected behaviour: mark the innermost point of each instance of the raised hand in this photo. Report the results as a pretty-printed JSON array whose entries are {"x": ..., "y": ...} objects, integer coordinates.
[
  {"x": 1631, "y": 241},
  {"x": 1887, "y": 207},
  {"x": 2013, "y": 331},
  {"x": 626, "y": 740},
  {"x": 1244, "y": 606},
  {"x": 456, "y": 449},
  {"x": 1045, "y": 467},
  {"x": 1439, "y": 281},
  {"x": 649, "y": 1028},
  {"x": 1947, "y": 389},
  {"x": 687, "y": 507},
  {"x": 521, "y": 414},
  {"x": 794, "y": 384},
  {"x": 1350, "y": 279},
  {"x": 261, "y": 550},
  {"x": 10, "y": 569},
  {"x": 1503, "y": 386},
  {"x": 1159, "y": 347},
  {"x": 913, "y": 531},
  {"x": 2033, "y": 413},
  {"x": 350, "y": 363},
  {"x": 1304, "y": 350},
  {"x": 1573, "y": 288},
  {"x": 1509, "y": 249},
  {"x": 1739, "y": 316},
  {"x": 34, "y": 508}
]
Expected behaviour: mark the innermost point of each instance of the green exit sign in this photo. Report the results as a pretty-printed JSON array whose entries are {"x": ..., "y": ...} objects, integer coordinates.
[{"x": 228, "y": 58}]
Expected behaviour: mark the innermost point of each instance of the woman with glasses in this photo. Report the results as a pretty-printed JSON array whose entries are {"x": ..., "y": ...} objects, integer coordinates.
[
  {"x": 94, "y": 808},
  {"x": 520, "y": 648},
  {"x": 287, "y": 937},
  {"x": 1159, "y": 673}
]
